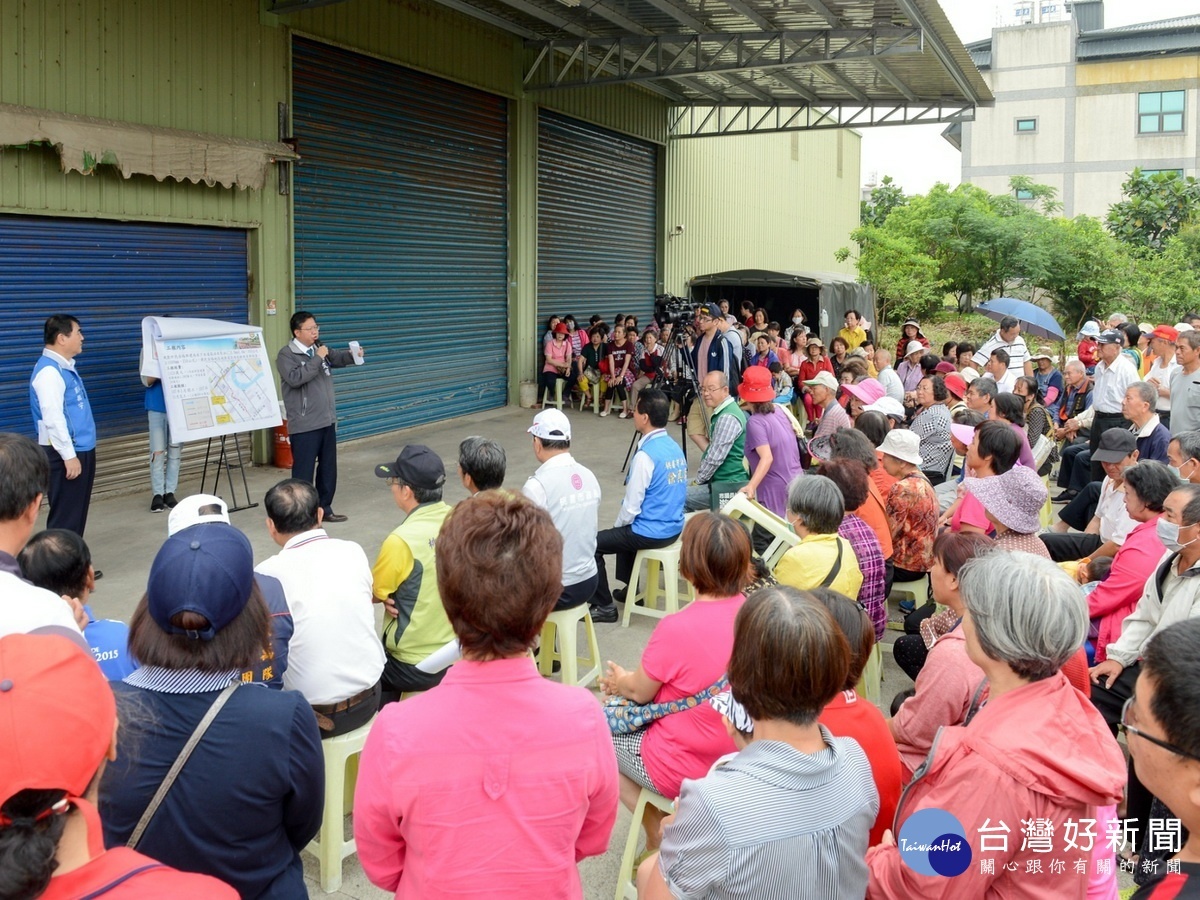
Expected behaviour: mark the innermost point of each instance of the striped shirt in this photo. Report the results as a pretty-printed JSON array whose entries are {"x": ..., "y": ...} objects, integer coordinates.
[
  {"x": 865, "y": 544},
  {"x": 180, "y": 681},
  {"x": 774, "y": 823}
]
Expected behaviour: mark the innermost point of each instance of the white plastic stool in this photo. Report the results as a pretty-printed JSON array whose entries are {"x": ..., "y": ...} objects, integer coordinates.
[
  {"x": 558, "y": 389},
  {"x": 626, "y": 888},
  {"x": 739, "y": 506},
  {"x": 595, "y": 389},
  {"x": 330, "y": 846},
  {"x": 561, "y": 623},
  {"x": 666, "y": 560},
  {"x": 917, "y": 591},
  {"x": 870, "y": 683}
]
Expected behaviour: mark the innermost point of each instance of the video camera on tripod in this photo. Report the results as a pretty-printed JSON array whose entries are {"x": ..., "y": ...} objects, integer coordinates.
[{"x": 680, "y": 312}]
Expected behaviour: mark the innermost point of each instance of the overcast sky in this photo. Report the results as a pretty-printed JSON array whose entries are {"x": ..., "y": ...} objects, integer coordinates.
[{"x": 917, "y": 156}]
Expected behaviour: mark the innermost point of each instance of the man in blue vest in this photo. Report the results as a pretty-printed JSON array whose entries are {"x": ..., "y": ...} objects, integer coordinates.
[
  {"x": 652, "y": 511},
  {"x": 66, "y": 430}
]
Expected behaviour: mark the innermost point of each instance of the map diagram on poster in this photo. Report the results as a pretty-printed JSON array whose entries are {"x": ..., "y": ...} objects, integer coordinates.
[{"x": 216, "y": 376}]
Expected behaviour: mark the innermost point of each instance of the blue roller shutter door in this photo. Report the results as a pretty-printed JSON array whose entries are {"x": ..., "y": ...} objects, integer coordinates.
[
  {"x": 597, "y": 203},
  {"x": 109, "y": 275},
  {"x": 402, "y": 235}
]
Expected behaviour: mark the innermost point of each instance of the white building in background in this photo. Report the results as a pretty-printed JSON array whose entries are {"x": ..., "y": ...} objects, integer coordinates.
[{"x": 1079, "y": 106}]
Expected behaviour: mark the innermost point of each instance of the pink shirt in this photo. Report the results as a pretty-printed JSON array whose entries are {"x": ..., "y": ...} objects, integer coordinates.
[
  {"x": 558, "y": 353},
  {"x": 493, "y": 784},
  {"x": 688, "y": 652}
]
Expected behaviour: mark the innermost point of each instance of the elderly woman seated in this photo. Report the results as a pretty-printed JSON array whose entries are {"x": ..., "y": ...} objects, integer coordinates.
[
  {"x": 946, "y": 678},
  {"x": 931, "y": 424},
  {"x": 687, "y": 653},
  {"x": 1011, "y": 502},
  {"x": 1037, "y": 748},
  {"x": 852, "y": 480},
  {"x": 850, "y": 715},
  {"x": 450, "y": 772},
  {"x": 789, "y": 815},
  {"x": 912, "y": 506},
  {"x": 822, "y": 558}
]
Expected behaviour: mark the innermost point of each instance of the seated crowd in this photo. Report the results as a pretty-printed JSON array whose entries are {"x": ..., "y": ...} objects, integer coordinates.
[{"x": 183, "y": 754}]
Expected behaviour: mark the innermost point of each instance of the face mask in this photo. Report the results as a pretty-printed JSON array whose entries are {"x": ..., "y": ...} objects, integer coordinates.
[
  {"x": 1168, "y": 534},
  {"x": 1178, "y": 473},
  {"x": 797, "y": 321}
]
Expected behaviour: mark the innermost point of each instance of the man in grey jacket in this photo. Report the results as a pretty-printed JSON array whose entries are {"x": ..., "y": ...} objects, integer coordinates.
[{"x": 306, "y": 374}]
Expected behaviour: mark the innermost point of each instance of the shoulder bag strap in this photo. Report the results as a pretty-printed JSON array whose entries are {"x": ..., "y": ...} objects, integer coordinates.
[
  {"x": 837, "y": 566},
  {"x": 177, "y": 766}
]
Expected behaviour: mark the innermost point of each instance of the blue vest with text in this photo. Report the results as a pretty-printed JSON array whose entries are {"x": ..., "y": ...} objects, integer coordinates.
[
  {"x": 76, "y": 407},
  {"x": 662, "y": 507}
]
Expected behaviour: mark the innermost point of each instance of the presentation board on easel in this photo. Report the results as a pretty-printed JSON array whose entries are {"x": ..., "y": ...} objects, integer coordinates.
[{"x": 216, "y": 376}]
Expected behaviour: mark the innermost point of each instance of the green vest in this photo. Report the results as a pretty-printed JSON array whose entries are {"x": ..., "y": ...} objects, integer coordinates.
[
  {"x": 733, "y": 467},
  {"x": 422, "y": 626}
]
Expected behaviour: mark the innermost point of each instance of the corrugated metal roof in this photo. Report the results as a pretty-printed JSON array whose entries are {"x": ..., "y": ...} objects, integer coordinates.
[
  {"x": 1160, "y": 25},
  {"x": 1165, "y": 36},
  {"x": 933, "y": 68}
]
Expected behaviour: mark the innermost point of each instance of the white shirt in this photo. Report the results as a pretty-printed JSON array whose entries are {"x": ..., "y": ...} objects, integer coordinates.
[
  {"x": 1163, "y": 374},
  {"x": 51, "y": 391},
  {"x": 1179, "y": 602},
  {"x": 26, "y": 609},
  {"x": 1006, "y": 384},
  {"x": 571, "y": 494},
  {"x": 1110, "y": 383},
  {"x": 1018, "y": 353},
  {"x": 891, "y": 383},
  {"x": 334, "y": 652},
  {"x": 1115, "y": 523},
  {"x": 641, "y": 470}
]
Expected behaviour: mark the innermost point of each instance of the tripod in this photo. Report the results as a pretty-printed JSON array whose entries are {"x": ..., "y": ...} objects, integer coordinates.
[{"x": 681, "y": 389}]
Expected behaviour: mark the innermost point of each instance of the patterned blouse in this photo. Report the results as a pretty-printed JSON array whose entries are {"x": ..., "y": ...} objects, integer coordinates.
[
  {"x": 932, "y": 426},
  {"x": 865, "y": 544},
  {"x": 1029, "y": 543},
  {"x": 913, "y": 508}
]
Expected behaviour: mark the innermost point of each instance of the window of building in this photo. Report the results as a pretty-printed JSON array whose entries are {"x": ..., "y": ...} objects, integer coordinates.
[
  {"x": 1023, "y": 194},
  {"x": 1160, "y": 112},
  {"x": 1149, "y": 172},
  {"x": 1027, "y": 126}
]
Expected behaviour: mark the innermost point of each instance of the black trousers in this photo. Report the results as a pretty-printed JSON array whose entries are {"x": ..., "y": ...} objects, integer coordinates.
[
  {"x": 576, "y": 594},
  {"x": 625, "y": 543},
  {"x": 1109, "y": 701},
  {"x": 1067, "y": 466},
  {"x": 399, "y": 677},
  {"x": 317, "y": 451},
  {"x": 1082, "y": 508},
  {"x": 70, "y": 498},
  {"x": 1101, "y": 422},
  {"x": 1069, "y": 547},
  {"x": 356, "y": 716}
]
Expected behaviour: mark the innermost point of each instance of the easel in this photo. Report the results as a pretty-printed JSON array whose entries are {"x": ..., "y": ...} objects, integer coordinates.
[{"x": 224, "y": 461}]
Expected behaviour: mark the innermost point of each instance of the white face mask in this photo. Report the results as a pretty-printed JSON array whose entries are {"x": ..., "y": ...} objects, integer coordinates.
[
  {"x": 1178, "y": 472},
  {"x": 1168, "y": 534},
  {"x": 796, "y": 320}
]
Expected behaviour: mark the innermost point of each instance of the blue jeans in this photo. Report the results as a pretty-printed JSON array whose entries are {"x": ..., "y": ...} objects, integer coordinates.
[{"x": 164, "y": 455}]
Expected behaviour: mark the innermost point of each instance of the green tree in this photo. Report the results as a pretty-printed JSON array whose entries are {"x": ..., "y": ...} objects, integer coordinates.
[
  {"x": 905, "y": 279},
  {"x": 1154, "y": 208},
  {"x": 1167, "y": 284},
  {"x": 885, "y": 197},
  {"x": 1084, "y": 268}
]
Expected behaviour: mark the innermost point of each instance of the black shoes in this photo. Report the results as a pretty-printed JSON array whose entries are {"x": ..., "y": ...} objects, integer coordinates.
[
  {"x": 1064, "y": 497},
  {"x": 158, "y": 504},
  {"x": 335, "y": 518},
  {"x": 169, "y": 499},
  {"x": 604, "y": 614},
  {"x": 619, "y": 594}
]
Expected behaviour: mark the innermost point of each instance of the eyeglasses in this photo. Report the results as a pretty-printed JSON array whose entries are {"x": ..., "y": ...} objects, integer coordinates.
[
  {"x": 313, "y": 328},
  {"x": 1133, "y": 729},
  {"x": 394, "y": 482},
  {"x": 712, "y": 390}
]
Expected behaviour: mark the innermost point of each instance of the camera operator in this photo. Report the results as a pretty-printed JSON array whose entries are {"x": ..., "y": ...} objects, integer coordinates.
[{"x": 712, "y": 351}]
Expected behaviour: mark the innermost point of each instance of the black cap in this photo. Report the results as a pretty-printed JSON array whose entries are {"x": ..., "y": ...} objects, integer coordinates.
[
  {"x": 417, "y": 466},
  {"x": 1115, "y": 445},
  {"x": 1112, "y": 336}
]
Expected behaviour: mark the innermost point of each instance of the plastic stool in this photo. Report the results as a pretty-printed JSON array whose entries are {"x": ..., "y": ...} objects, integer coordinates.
[
  {"x": 561, "y": 623},
  {"x": 1047, "y": 511},
  {"x": 917, "y": 591},
  {"x": 330, "y": 846},
  {"x": 626, "y": 889},
  {"x": 666, "y": 560},
  {"x": 870, "y": 683},
  {"x": 558, "y": 389},
  {"x": 595, "y": 389}
]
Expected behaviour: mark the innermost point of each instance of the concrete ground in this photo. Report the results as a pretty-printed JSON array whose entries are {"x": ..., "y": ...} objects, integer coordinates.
[{"x": 124, "y": 537}]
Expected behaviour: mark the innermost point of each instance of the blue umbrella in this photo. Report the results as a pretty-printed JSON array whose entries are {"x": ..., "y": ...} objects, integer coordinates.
[{"x": 1034, "y": 320}]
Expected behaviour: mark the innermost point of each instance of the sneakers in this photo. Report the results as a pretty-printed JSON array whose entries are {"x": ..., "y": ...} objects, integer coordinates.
[
  {"x": 157, "y": 504},
  {"x": 604, "y": 614},
  {"x": 623, "y": 415},
  {"x": 169, "y": 499}
]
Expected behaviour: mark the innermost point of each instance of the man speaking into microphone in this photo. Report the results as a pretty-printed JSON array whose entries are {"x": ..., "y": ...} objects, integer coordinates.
[{"x": 306, "y": 374}]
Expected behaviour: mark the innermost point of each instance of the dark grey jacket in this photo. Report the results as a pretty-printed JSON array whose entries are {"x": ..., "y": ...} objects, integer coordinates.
[{"x": 307, "y": 383}]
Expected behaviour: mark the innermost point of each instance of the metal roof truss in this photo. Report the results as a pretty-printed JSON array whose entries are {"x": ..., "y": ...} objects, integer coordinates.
[
  {"x": 700, "y": 121},
  {"x": 649, "y": 58}
]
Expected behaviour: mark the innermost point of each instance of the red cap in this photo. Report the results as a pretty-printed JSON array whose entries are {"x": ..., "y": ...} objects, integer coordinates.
[
  {"x": 1166, "y": 332},
  {"x": 56, "y": 716},
  {"x": 957, "y": 385},
  {"x": 561, "y": 328}
]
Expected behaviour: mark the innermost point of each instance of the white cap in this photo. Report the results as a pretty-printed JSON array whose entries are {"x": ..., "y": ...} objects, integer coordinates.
[
  {"x": 187, "y": 512},
  {"x": 551, "y": 425},
  {"x": 902, "y": 444},
  {"x": 825, "y": 379},
  {"x": 914, "y": 347},
  {"x": 889, "y": 406},
  {"x": 1181, "y": 327}
]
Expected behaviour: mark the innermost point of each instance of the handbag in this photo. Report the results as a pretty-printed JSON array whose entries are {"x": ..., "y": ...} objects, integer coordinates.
[
  {"x": 625, "y": 717},
  {"x": 177, "y": 766},
  {"x": 1041, "y": 451}
]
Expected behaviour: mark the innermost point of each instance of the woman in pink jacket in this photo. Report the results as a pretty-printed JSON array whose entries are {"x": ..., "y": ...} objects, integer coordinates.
[
  {"x": 1146, "y": 487},
  {"x": 1036, "y": 755},
  {"x": 498, "y": 781}
]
